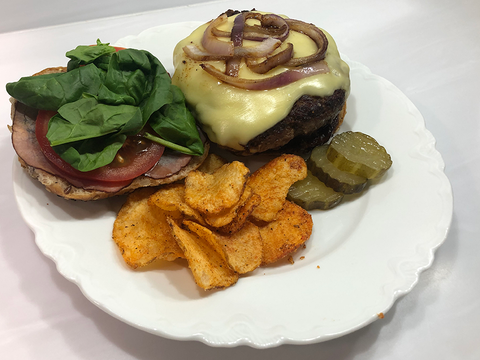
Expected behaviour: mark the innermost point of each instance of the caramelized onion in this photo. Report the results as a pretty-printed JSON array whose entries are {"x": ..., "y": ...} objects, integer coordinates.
[
  {"x": 282, "y": 79},
  {"x": 232, "y": 66},
  {"x": 272, "y": 61},
  {"x": 218, "y": 47},
  {"x": 316, "y": 35},
  {"x": 257, "y": 33},
  {"x": 261, "y": 50},
  {"x": 271, "y": 26},
  {"x": 269, "y": 35},
  {"x": 221, "y": 33},
  {"x": 237, "y": 30},
  {"x": 264, "y": 48},
  {"x": 212, "y": 44},
  {"x": 195, "y": 53}
]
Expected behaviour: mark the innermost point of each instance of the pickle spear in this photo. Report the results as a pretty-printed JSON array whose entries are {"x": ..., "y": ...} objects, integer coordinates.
[
  {"x": 359, "y": 154},
  {"x": 310, "y": 193},
  {"x": 338, "y": 180}
]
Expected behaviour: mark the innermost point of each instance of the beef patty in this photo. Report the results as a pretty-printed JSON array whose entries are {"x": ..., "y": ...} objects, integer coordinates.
[{"x": 311, "y": 122}]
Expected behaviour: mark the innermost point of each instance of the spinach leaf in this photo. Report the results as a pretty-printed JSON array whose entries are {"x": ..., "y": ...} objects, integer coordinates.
[
  {"x": 136, "y": 77},
  {"x": 87, "y": 119},
  {"x": 174, "y": 123},
  {"x": 107, "y": 96},
  {"x": 126, "y": 80},
  {"x": 51, "y": 91},
  {"x": 104, "y": 97},
  {"x": 91, "y": 154},
  {"x": 102, "y": 62},
  {"x": 160, "y": 93},
  {"x": 83, "y": 55}
]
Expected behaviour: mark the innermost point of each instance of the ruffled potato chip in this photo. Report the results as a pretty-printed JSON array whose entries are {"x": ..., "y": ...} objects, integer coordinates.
[
  {"x": 242, "y": 251},
  {"x": 283, "y": 236},
  {"x": 212, "y": 163},
  {"x": 272, "y": 182},
  {"x": 142, "y": 233},
  {"x": 242, "y": 215},
  {"x": 208, "y": 267},
  {"x": 226, "y": 217},
  {"x": 171, "y": 197},
  {"x": 214, "y": 193},
  {"x": 222, "y": 221}
]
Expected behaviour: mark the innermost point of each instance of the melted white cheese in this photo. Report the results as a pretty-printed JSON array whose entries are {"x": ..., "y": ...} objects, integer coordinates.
[{"x": 232, "y": 116}]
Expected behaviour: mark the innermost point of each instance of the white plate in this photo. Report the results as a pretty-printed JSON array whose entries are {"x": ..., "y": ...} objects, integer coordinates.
[{"x": 362, "y": 255}]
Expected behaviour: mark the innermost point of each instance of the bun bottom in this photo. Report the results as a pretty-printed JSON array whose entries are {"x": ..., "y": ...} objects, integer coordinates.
[{"x": 61, "y": 187}]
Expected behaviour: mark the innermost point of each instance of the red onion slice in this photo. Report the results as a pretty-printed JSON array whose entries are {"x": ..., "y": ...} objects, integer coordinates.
[
  {"x": 212, "y": 44},
  {"x": 221, "y": 33},
  {"x": 276, "y": 81},
  {"x": 226, "y": 48},
  {"x": 271, "y": 26},
  {"x": 232, "y": 66},
  {"x": 237, "y": 30},
  {"x": 272, "y": 61},
  {"x": 270, "y": 34},
  {"x": 316, "y": 35},
  {"x": 195, "y": 53},
  {"x": 265, "y": 48}
]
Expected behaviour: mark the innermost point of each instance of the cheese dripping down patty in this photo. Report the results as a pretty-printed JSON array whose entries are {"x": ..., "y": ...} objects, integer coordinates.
[{"x": 231, "y": 116}]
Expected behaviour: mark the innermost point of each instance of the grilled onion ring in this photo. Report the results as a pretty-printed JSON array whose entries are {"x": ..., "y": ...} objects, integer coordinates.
[
  {"x": 279, "y": 80},
  {"x": 316, "y": 35},
  {"x": 270, "y": 34}
]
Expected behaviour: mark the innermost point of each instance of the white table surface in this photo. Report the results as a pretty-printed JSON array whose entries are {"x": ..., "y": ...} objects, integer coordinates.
[{"x": 429, "y": 49}]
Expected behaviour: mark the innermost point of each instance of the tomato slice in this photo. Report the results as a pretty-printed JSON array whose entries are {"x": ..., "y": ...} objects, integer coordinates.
[{"x": 135, "y": 158}]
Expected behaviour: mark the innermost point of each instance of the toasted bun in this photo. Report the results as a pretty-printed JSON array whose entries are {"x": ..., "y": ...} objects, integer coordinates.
[{"x": 59, "y": 185}]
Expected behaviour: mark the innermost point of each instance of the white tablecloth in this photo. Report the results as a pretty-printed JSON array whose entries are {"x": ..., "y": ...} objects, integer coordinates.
[{"x": 428, "y": 49}]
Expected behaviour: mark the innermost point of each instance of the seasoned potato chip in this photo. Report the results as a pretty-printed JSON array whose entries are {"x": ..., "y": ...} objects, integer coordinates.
[
  {"x": 222, "y": 221},
  {"x": 168, "y": 197},
  {"x": 171, "y": 197},
  {"x": 142, "y": 233},
  {"x": 286, "y": 234},
  {"x": 213, "y": 193},
  {"x": 206, "y": 234},
  {"x": 272, "y": 182},
  {"x": 242, "y": 215},
  {"x": 212, "y": 163},
  {"x": 208, "y": 267},
  {"x": 226, "y": 217},
  {"x": 242, "y": 250}
]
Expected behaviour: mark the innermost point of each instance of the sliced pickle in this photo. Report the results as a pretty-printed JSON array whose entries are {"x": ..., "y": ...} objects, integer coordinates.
[
  {"x": 310, "y": 193},
  {"x": 338, "y": 180},
  {"x": 359, "y": 154}
]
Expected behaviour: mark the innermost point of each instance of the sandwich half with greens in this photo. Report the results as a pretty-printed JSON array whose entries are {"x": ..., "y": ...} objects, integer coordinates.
[{"x": 109, "y": 122}]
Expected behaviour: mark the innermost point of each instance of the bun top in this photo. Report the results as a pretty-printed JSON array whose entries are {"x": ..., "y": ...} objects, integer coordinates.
[{"x": 230, "y": 115}]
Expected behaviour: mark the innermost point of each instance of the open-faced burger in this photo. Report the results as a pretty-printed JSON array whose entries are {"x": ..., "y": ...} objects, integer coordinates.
[
  {"x": 260, "y": 82},
  {"x": 108, "y": 123}
]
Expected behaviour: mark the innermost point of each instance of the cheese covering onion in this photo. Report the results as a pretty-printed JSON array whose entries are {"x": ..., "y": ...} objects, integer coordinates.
[{"x": 224, "y": 92}]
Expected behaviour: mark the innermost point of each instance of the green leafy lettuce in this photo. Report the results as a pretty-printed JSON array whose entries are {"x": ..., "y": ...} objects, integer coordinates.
[{"x": 104, "y": 97}]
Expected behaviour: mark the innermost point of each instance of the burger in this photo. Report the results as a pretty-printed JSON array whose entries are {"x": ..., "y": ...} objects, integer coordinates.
[
  {"x": 106, "y": 124},
  {"x": 258, "y": 82}
]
